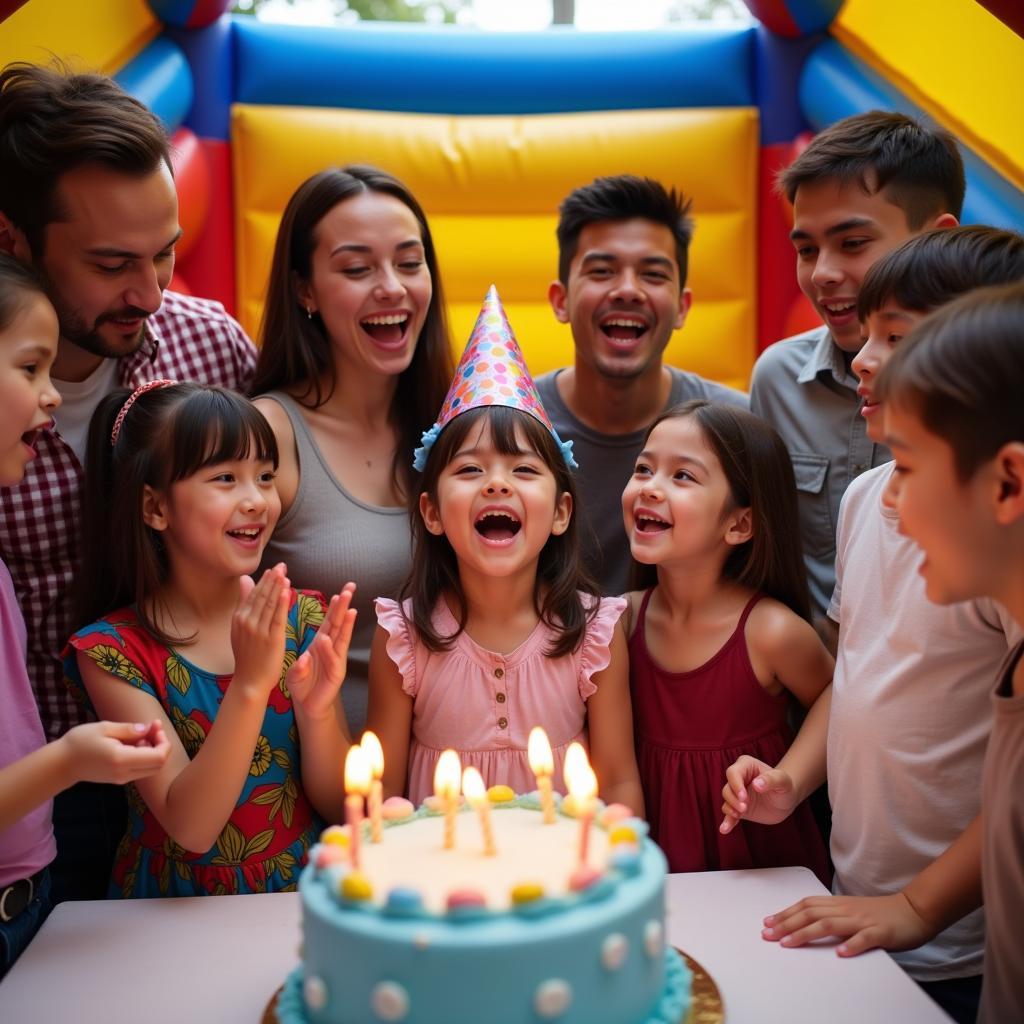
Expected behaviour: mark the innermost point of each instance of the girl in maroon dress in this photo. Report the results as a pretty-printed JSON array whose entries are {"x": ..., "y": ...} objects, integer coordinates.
[{"x": 723, "y": 638}]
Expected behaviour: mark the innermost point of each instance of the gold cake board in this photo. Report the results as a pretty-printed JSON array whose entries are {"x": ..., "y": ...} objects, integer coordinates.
[{"x": 705, "y": 1000}]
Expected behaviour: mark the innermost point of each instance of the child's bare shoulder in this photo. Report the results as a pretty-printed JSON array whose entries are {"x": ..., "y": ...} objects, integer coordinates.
[
  {"x": 631, "y": 613},
  {"x": 773, "y": 628}
]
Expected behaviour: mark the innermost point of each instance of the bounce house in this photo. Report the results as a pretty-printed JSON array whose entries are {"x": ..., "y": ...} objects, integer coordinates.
[{"x": 492, "y": 130}]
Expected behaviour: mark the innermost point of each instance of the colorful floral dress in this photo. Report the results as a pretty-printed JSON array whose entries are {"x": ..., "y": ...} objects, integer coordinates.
[{"x": 265, "y": 840}]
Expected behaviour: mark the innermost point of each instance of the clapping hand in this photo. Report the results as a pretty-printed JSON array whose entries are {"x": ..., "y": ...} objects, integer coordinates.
[
  {"x": 257, "y": 629},
  {"x": 317, "y": 674}
]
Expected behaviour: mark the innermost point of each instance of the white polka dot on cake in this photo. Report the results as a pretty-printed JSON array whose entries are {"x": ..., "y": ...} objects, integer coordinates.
[
  {"x": 553, "y": 998},
  {"x": 314, "y": 992},
  {"x": 654, "y": 935},
  {"x": 389, "y": 1001},
  {"x": 614, "y": 950}
]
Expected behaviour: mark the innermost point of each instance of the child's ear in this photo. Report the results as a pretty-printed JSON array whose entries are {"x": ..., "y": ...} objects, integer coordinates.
[
  {"x": 563, "y": 514},
  {"x": 739, "y": 526},
  {"x": 431, "y": 518},
  {"x": 1009, "y": 467},
  {"x": 13, "y": 240},
  {"x": 557, "y": 297},
  {"x": 154, "y": 509}
]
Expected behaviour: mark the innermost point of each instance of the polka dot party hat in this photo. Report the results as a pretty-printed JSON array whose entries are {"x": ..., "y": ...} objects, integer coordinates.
[{"x": 492, "y": 371}]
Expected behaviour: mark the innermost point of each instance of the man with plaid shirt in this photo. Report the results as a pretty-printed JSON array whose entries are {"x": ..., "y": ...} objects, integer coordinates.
[{"x": 87, "y": 198}]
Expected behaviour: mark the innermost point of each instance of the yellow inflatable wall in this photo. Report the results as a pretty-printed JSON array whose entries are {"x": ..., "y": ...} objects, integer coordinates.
[{"x": 491, "y": 186}]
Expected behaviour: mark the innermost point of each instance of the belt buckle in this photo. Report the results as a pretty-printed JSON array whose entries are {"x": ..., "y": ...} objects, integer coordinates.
[{"x": 15, "y": 898}]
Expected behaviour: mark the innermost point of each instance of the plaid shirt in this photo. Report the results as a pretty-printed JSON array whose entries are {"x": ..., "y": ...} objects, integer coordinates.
[{"x": 187, "y": 339}]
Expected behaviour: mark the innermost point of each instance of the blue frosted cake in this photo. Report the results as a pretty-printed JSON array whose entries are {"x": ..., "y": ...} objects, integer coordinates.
[{"x": 426, "y": 935}]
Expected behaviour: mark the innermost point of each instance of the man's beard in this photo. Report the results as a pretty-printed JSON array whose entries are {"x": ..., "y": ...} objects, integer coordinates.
[{"x": 74, "y": 328}]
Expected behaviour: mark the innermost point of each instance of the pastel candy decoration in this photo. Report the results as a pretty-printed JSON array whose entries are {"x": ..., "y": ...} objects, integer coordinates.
[
  {"x": 335, "y": 835},
  {"x": 501, "y": 794},
  {"x": 466, "y": 905},
  {"x": 397, "y": 808},
  {"x": 614, "y": 813},
  {"x": 583, "y": 878},
  {"x": 622, "y": 834},
  {"x": 492, "y": 371},
  {"x": 403, "y": 901},
  {"x": 328, "y": 855},
  {"x": 356, "y": 888},
  {"x": 526, "y": 892}
]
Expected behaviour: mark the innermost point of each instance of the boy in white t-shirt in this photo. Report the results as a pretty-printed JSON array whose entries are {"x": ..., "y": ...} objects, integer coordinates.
[{"x": 908, "y": 716}]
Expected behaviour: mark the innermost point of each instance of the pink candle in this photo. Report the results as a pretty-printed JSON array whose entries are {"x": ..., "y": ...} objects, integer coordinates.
[
  {"x": 357, "y": 784},
  {"x": 375, "y": 753},
  {"x": 582, "y": 784}
]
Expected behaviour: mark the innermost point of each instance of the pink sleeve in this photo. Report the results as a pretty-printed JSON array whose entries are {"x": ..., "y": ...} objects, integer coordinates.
[
  {"x": 596, "y": 654},
  {"x": 400, "y": 644}
]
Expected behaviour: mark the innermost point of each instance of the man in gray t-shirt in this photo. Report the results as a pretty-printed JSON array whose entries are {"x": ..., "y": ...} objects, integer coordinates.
[{"x": 621, "y": 287}]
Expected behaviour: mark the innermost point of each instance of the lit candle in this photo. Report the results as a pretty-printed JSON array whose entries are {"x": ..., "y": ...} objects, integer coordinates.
[
  {"x": 447, "y": 781},
  {"x": 538, "y": 752},
  {"x": 375, "y": 754},
  {"x": 582, "y": 784},
  {"x": 357, "y": 783},
  {"x": 476, "y": 793}
]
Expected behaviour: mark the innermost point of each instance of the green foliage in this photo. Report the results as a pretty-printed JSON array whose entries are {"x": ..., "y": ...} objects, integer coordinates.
[{"x": 432, "y": 11}]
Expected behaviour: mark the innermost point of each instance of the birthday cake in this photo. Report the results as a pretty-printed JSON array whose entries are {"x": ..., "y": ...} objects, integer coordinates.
[{"x": 428, "y": 935}]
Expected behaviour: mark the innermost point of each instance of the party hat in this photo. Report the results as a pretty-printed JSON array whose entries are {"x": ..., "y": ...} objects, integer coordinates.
[{"x": 492, "y": 371}]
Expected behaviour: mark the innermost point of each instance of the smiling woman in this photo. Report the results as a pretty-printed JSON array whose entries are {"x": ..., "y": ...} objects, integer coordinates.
[{"x": 354, "y": 361}]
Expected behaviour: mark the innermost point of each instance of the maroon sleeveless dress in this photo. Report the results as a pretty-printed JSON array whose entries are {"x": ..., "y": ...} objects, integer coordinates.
[{"x": 690, "y": 726}]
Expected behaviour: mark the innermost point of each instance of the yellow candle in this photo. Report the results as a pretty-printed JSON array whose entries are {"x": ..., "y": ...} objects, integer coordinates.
[
  {"x": 357, "y": 783},
  {"x": 582, "y": 784},
  {"x": 447, "y": 781},
  {"x": 542, "y": 764},
  {"x": 375, "y": 754},
  {"x": 476, "y": 793}
]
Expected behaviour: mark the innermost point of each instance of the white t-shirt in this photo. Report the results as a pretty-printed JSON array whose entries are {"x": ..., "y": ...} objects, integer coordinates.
[
  {"x": 79, "y": 401},
  {"x": 910, "y": 719}
]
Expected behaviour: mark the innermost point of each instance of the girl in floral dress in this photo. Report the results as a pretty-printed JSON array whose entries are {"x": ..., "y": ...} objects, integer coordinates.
[{"x": 244, "y": 677}]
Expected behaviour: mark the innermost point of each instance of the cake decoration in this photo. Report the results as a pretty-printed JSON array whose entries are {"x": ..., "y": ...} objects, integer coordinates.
[
  {"x": 395, "y": 808},
  {"x": 476, "y": 795},
  {"x": 390, "y": 1001},
  {"x": 375, "y": 757},
  {"x": 356, "y": 888},
  {"x": 314, "y": 992},
  {"x": 553, "y": 998},
  {"x": 335, "y": 835},
  {"x": 542, "y": 764},
  {"x": 403, "y": 902},
  {"x": 654, "y": 938},
  {"x": 501, "y": 794},
  {"x": 614, "y": 950},
  {"x": 614, "y": 813}
]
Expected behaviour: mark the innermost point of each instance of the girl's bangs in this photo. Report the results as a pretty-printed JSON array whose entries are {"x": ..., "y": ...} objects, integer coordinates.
[{"x": 218, "y": 426}]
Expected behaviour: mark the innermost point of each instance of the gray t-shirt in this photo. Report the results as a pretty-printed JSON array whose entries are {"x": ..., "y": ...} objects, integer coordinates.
[
  {"x": 1002, "y": 853},
  {"x": 606, "y": 463},
  {"x": 803, "y": 388}
]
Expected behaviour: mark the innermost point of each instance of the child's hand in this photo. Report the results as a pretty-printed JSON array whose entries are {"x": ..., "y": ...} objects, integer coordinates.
[
  {"x": 866, "y": 922},
  {"x": 317, "y": 674},
  {"x": 757, "y": 792},
  {"x": 116, "y": 752},
  {"x": 257, "y": 629}
]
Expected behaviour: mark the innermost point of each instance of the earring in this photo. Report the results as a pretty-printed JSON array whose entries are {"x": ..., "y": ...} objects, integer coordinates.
[{"x": 309, "y": 312}]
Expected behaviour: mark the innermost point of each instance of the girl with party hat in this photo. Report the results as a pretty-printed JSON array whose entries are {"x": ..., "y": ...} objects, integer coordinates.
[{"x": 498, "y": 630}]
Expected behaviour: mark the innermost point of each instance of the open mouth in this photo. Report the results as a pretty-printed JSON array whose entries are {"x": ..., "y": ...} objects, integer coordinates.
[
  {"x": 623, "y": 329},
  {"x": 839, "y": 310},
  {"x": 386, "y": 329},
  {"x": 646, "y": 522},
  {"x": 497, "y": 527},
  {"x": 246, "y": 534}
]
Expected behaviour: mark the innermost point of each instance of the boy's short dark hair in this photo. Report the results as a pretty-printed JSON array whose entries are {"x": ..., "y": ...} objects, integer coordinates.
[
  {"x": 52, "y": 122},
  {"x": 623, "y": 197},
  {"x": 915, "y": 162},
  {"x": 930, "y": 269},
  {"x": 961, "y": 371}
]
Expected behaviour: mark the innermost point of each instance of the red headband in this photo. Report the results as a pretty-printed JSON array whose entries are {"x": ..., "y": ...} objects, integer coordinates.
[{"x": 140, "y": 390}]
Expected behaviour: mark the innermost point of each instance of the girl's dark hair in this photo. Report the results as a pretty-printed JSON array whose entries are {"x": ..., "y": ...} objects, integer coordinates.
[
  {"x": 961, "y": 370},
  {"x": 295, "y": 351},
  {"x": 435, "y": 569},
  {"x": 168, "y": 434},
  {"x": 18, "y": 282},
  {"x": 760, "y": 476}
]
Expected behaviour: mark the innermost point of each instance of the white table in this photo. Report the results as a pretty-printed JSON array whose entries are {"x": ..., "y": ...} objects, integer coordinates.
[{"x": 220, "y": 958}]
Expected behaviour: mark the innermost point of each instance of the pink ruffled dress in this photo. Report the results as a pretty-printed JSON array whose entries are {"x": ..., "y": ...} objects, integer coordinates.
[{"x": 485, "y": 704}]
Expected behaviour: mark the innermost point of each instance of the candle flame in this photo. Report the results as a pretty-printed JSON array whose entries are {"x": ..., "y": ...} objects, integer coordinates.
[
  {"x": 374, "y": 752},
  {"x": 579, "y": 776},
  {"x": 357, "y": 771},
  {"x": 447, "y": 775},
  {"x": 473, "y": 786},
  {"x": 538, "y": 752}
]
